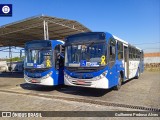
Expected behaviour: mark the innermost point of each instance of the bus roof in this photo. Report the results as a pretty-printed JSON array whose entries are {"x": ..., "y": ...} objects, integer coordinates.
[
  {"x": 125, "y": 42},
  {"x": 119, "y": 39},
  {"x": 109, "y": 35}
]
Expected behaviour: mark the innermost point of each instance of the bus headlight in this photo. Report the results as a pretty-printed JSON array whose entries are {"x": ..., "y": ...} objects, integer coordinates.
[
  {"x": 48, "y": 75},
  {"x": 105, "y": 73},
  {"x": 65, "y": 75},
  {"x": 102, "y": 75},
  {"x": 98, "y": 77},
  {"x": 27, "y": 78}
]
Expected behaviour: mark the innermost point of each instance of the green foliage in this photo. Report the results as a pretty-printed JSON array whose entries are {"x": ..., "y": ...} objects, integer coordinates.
[{"x": 15, "y": 59}]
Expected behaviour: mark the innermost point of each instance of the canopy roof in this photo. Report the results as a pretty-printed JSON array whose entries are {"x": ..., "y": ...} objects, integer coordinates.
[{"x": 38, "y": 28}]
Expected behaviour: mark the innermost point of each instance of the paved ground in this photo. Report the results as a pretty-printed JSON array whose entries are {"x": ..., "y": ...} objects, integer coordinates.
[
  {"x": 15, "y": 102},
  {"x": 17, "y": 95}
]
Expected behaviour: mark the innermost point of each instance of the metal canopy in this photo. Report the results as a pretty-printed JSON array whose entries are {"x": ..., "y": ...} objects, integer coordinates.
[{"x": 38, "y": 28}]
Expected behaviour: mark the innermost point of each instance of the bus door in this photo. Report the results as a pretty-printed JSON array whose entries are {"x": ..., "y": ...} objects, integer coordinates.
[
  {"x": 126, "y": 61},
  {"x": 59, "y": 63}
]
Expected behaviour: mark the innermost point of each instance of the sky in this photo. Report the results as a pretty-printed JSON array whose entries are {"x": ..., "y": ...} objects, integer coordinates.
[{"x": 135, "y": 21}]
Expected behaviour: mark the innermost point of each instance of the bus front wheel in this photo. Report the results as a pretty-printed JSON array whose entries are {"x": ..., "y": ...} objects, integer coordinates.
[{"x": 117, "y": 87}]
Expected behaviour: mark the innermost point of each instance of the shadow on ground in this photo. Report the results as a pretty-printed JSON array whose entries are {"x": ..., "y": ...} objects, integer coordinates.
[
  {"x": 80, "y": 91},
  {"x": 35, "y": 87},
  {"x": 126, "y": 82},
  {"x": 92, "y": 92}
]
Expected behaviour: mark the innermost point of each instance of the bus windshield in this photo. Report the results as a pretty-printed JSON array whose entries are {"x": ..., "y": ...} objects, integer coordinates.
[
  {"x": 86, "y": 55},
  {"x": 38, "y": 58}
]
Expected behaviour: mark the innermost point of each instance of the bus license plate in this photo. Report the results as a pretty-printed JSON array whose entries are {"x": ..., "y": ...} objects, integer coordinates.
[
  {"x": 80, "y": 82},
  {"x": 34, "y": 81}
]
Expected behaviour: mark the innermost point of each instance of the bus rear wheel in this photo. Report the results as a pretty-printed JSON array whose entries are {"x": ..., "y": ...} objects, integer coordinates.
[{"x": 117, "y": 87}]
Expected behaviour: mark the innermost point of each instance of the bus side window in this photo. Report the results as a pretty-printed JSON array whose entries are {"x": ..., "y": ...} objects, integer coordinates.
[
  {"x": 112, "y": 51},
  {"x": 120, "y": 50}
]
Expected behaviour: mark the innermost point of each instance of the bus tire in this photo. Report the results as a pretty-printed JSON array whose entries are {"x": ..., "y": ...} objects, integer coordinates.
[
  {"x": 138, "y": 74},
  {"x": 117, "y": 87}
]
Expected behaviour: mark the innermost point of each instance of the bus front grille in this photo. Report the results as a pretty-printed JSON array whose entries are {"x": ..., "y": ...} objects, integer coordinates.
[{"x": 84, "y": 83}]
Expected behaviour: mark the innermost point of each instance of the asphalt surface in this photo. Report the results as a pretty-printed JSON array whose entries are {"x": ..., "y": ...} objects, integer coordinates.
[{"x": 17, "y": 95}]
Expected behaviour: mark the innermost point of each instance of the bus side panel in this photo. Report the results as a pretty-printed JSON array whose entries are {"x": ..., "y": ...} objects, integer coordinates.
[
  {"x": 141, "y": 66},
  {"x": 112, "y": 77},
  {"x": 58, "y": 76},
  {"x": 134, "y": 66},
  {"x": 114, "y": 73},
  {"x": 120, "y": 68},
  {"x": 141, "y": 62},
  {"x": 55, "y": 77}
]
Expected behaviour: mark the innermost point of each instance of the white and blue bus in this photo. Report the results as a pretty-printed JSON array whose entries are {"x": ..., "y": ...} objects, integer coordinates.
[
  {"x": 44, "y": 62},
  {"x": 100, "y": 60}
]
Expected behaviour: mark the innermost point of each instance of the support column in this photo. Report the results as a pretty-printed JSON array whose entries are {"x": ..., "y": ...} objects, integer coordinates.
[
  {"x": 10, "y": 57},
  {"x": 45, "y": 28},
  {"x": 47, "y": 35}
]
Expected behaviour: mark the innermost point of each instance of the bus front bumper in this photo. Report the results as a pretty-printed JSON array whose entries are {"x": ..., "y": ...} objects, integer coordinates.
[
  {"x": 49, "y": 81},
  {"x": 102, "y": 82}
]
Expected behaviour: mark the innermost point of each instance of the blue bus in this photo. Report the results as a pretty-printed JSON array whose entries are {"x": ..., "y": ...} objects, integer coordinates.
[
  {"x": 44, "y": 62},
  {"x": 100, "y": 60}
]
